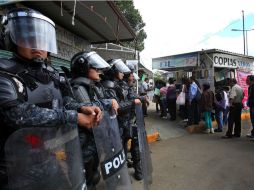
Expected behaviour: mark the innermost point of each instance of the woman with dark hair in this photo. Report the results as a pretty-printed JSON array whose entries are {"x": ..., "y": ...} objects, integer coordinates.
[
  {"x": 163, "y": 93},
  {"x": 207, "y": 99},
  {"x": 183, "y": 109},
  {"x": 171, "y": 99},
  {"x": 158, "y": 85}
]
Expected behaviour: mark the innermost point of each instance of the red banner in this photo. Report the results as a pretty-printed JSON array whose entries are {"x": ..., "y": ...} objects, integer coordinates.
[{"x": 241, "y": 78}]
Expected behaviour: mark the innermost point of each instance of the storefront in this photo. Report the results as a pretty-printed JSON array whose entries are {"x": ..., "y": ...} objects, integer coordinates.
[
  {"x": 227, "y": 65},
  {"x": 213, "y": 66},
  {"x": 179, "y": 66}
]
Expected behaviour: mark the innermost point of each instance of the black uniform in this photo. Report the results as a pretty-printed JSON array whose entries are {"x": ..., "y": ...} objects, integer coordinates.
[
  {"x": 125, "y": 96},
  {"x": 85, "y": 90},
  {"x": 27, "y": 91}
]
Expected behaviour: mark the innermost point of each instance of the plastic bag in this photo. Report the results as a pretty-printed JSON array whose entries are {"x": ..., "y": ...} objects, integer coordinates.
[{"x": 181, "y": 99}]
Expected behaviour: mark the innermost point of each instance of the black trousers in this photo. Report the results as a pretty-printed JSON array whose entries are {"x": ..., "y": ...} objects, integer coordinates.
[
  {"x": 158, "y": 103},
  {"x": 234, "y": 119},
  {"x": 144, "y": 106},
  {"x": 193, "y": 113},
  {"x": 172, "y": 108},
  {"x": 134, "y": 149}
]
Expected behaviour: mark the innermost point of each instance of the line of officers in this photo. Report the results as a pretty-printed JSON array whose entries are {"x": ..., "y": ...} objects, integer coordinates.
[{"x": 35, "y": 95}]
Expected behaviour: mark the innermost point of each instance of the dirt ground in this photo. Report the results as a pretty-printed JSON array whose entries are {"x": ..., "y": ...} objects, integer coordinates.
[{"x": 183, "y": 161}]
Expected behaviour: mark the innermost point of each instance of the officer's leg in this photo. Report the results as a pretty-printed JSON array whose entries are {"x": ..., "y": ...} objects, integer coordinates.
[
  {"x": 135, "y": 154},
  {"x": 91, "y": 163}
]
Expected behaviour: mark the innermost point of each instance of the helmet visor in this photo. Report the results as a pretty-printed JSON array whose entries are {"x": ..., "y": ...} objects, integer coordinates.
[
  {"x": 121, "y": 67},
  {"x": 33, "y": 33},
  {"x": 97, "y": 61}
]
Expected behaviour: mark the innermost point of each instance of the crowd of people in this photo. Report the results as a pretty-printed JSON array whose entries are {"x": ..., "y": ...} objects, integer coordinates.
[
  {"x": 42, "y": 103},
  {"x": 198, "y": 103}
]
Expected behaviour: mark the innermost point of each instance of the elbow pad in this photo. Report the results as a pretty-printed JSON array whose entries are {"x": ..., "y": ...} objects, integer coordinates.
[
  {"x": 81, "y": 94},
  {"x": 108, "y": 84}
]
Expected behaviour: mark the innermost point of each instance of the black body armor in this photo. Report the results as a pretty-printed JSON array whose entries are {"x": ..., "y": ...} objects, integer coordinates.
[
  {"x": 84, "y": 91},
  {"x": 19, "y": 83}
]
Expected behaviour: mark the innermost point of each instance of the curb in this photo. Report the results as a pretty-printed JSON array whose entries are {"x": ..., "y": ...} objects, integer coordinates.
[
  {"x": 201, "y": 126},
  {"x": 150, "y": 138}
]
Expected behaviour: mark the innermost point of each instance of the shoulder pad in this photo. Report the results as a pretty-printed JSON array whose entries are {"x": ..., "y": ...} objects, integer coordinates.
[
  {"x": 108, "y": 84},
  {"x": 81, "y": 81},
  {"x": 10, "y": 65}
]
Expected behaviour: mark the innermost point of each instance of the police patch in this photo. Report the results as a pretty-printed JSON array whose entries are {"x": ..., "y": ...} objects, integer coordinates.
[{"x": 113, "y": 165}]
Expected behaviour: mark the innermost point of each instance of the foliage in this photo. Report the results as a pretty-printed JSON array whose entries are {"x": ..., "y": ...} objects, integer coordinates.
[
  {"x": 134, "y": 18},
  {"x": 157, "y": 76}
]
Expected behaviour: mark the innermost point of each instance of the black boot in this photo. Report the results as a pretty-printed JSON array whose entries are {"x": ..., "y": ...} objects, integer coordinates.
[{"x": 138, "y": 171}]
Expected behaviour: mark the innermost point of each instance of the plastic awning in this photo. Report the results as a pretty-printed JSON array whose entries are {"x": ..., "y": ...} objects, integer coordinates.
[{"x": 95, "y": 21}]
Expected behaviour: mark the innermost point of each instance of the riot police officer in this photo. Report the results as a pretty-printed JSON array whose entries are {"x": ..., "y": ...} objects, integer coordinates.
[
  {"x": 34, "y": 96},
  {"x": 86, "y": 68},
  {"x": 126, "y": 100},
  {"x": 139, "y": 146}
]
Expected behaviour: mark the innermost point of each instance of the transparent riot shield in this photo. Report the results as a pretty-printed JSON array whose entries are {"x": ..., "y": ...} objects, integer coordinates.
[
  {"x": 145, "y": 157},
  {"x": 112, "y": 158},
  {"x": 44, "y": 158}
]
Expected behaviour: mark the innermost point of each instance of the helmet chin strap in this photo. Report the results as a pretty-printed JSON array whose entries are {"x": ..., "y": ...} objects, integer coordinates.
[
  {"x": 35, "y": 62},
  {"x": 39, "y": 60}
]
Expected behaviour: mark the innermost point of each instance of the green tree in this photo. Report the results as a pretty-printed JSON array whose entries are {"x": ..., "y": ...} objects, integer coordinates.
[
  {"x": 157, "y": 76},
  {"x": 134, "y": 18}
]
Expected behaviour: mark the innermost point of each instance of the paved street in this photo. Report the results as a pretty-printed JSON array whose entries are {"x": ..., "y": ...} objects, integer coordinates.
[{"x": 184, "y": 161}]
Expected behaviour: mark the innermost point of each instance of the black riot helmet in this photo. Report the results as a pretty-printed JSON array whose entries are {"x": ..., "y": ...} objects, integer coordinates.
[
  {"x": 117, "y": 65},
  {"x": 28, "y": 28},
  {"x": 83, "y": 61}
]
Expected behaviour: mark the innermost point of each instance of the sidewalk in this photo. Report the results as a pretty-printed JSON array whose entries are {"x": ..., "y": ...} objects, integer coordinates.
[
  {"x": 183, "y": 161},
  {"x": 167, "y": 129}
]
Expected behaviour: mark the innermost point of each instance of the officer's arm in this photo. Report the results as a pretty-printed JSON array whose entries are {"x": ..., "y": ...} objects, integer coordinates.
[
  {"x": 18, "y": 113},
  {"x": 134, "y": 96},
  {"x": 83, "y": 104},
  {"x": 123, "y": 106},
  {"x": 72, "y": 104},
  {"x": 136, "y": 99},
  {"x": 29, "y": 115}
]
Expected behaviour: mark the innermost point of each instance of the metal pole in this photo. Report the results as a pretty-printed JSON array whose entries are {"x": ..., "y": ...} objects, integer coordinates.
[
  {"x": 246, "y": 42},
  {"x": 243, "y": 34},
  {"x": 137, "y": 72}
]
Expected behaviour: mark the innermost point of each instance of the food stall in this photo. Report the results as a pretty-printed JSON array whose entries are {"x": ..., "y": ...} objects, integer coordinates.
[{"x": 214, "y": 66}]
